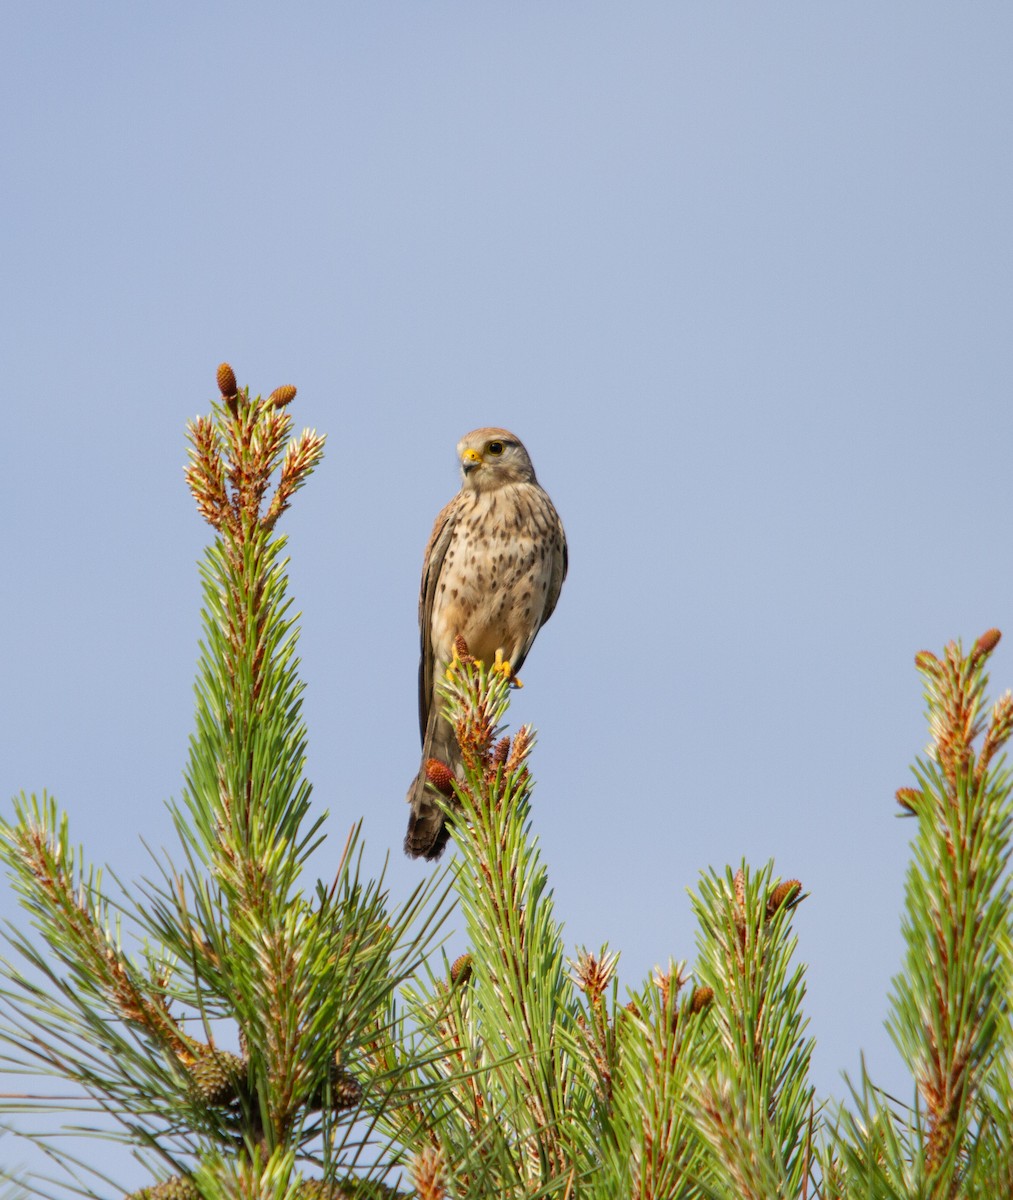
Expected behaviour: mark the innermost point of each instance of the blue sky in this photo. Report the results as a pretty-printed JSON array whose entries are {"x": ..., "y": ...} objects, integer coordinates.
[{"x": 738, "y": 274}]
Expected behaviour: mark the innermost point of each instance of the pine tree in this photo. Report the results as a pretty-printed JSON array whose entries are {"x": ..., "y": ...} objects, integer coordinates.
[{"x": 247, "y": 1037}]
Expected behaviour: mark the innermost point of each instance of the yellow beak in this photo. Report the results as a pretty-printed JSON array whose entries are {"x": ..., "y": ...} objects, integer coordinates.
[{"x": 470, "y": 459}]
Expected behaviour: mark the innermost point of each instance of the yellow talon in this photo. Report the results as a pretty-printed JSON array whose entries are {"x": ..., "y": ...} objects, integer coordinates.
[{"x": 503, "y": 667}]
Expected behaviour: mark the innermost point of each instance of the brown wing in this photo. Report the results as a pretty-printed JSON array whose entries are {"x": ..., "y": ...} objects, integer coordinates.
[
  {"x": 560, "y": 563},
  {"x": 552, "y": 529},
  {"x": 436, "y": 551}
]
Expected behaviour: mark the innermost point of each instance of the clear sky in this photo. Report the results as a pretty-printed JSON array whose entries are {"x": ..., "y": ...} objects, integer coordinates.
[{"x": 739, "y": 275}]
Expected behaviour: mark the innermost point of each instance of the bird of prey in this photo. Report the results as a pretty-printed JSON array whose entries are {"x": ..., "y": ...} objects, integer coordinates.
[{"x": 493, "y": 567}]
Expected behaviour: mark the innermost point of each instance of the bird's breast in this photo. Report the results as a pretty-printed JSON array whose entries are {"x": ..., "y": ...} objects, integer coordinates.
[{"x": 495, "y": 578}]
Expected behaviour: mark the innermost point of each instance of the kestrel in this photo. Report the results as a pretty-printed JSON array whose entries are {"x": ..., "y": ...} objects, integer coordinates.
[{"x": 494, "y": 565}]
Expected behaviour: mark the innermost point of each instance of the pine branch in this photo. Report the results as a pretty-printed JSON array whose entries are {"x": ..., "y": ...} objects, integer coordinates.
[
  {"x": 647, "y": 1055},
  {"x": 73, "y": 915},
  {"x": 233, "y": 950},
  {"x": 500, "y": 1096},
  {"x": 754, "y": 1101},
  {"x": 950, "y": 1009}
]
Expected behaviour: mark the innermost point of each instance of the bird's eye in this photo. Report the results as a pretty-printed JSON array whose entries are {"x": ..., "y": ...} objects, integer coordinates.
[{"x": 495, "y": 449}]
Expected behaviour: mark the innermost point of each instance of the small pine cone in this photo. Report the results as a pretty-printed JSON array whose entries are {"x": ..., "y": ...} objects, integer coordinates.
[
  {"x": 346, "y": 1090},
  {"x": 282, "y": 396},
  {"x": 460, "y": 969},
  {"x": 633, "y": 1008},
  {"x": 984, "y": 646},
  {"x": 461, "y": 648},
  {"x": 226, "y": 380},
  {"x": 320, "y": 1189},
  {"x": 786, "y": 893},
  {"x": 702, "y": 998},
  {"x": 440, "y": 776},
  {"x": 908, "y": 799},
  {"x": 179, "y": 1187},
  {"x": 217, "y": 1078}
]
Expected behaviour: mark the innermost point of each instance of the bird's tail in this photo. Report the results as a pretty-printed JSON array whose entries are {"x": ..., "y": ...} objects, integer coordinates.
[{"x": 427, "y": 824}]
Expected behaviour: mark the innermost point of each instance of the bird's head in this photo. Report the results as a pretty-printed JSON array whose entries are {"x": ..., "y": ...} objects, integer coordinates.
[{"x": 491, "y": 458}]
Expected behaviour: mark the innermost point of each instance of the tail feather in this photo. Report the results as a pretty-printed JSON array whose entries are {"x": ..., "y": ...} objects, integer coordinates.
[
  {"x": 427, "y": 826},
  {"x": 427, "y": 823}
]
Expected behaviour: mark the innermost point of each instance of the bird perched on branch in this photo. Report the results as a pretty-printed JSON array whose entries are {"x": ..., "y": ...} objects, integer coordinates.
[{"x": 494, "y": 565}]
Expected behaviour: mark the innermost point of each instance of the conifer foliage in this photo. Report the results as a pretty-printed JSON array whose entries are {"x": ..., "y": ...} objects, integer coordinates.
[
  {"x": 217, "y": 1014},
  {"x": 531, "y": 1077},
  {"x": 249, "y": 1036}
]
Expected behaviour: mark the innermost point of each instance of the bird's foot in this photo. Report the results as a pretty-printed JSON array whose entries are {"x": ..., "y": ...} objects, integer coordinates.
[
  {"x": 461, "y": 656},
  {"x": 502, "y": 667}
]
